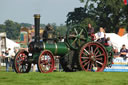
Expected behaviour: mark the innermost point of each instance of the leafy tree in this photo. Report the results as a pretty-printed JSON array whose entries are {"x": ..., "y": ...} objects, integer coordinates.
[
  {"x": 12, "y": 29},
  {"x": 61, "y": 30},
  {"x": 54, "y": 25},
  {"x": 76, "y": 16},
  {"x": 2, "y": 28},
  {"x": 42, "y": 25},
  {"x": 108, "y": 13},
  {"x": 25, "y": 24},
  {"x": 87, "y": 21}
]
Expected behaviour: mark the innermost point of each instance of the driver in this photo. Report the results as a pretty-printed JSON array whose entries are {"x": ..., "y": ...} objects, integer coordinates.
[{"x": 49, "y": 34}]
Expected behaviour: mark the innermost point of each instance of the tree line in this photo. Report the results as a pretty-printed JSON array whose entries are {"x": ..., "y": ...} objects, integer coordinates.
[
  {"x": 12, "y": 28},
  {"x": 110, "y": 14}
]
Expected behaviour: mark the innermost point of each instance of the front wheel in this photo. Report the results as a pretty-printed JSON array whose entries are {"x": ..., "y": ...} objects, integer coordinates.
[
  {"x": 21, "y": 64},
  {"x": 46, "y": 62}
]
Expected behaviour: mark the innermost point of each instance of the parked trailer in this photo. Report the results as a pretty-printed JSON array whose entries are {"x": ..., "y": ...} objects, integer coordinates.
[{"x": 78, "y": 52}]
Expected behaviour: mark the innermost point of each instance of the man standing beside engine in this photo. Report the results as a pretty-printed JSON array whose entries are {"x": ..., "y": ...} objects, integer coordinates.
[{"x": 7, "y": 58}]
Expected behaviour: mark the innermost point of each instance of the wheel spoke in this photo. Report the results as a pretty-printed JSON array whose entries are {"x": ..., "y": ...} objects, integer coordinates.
[
  {"x": 20, "y": 69},
  {"x": 86, "y": 63},
  {"x": 99, "y": 59},
  {"x": 72, "y": 36},
  {"x": 81, "y": 32},
  {"x": 76, "y": 31},
  {"x": 88, "y": 66},
  {"x": 91, "y": 65},
  {"x": 79, "y": 42},
  {"x": 45, "y": 67},
  {"x": 81, "y": 38},
  {"x": 95, "y": 49},
  {"x": 91, "y": 49},
  {"x": 74, "y": 41},
  {"x": 49, "y": 64},
  {"x": 86, "y": 51},
  {"x": 96, "y": 64},
  {"x": 84, "y": 54},
  {"x": 85, "y": 57},
  {"x": 99, "y": 62},
  {"x": 100, "y": 55},
  {"x": 97, "y": 52}
]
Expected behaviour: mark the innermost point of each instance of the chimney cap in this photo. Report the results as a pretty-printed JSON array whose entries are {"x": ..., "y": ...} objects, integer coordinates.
[{"x": 37, "y": 15}]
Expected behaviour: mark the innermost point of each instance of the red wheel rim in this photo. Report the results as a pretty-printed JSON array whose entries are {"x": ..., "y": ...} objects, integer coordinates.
[
  {"x": 93, "y": 57},
  {"x": 46, "y": 62},
  {"x": 21, "y": 65}
]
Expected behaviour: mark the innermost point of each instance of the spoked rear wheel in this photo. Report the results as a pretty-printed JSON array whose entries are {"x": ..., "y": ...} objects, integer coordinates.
[
  {"x": 21, "y": 64},
  {"x": 93, "y": 57},
  {"x": 46, "y": 62}
]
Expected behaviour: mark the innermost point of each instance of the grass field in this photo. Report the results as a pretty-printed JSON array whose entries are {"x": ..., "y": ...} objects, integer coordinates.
[{"x": 64, "y": 78}]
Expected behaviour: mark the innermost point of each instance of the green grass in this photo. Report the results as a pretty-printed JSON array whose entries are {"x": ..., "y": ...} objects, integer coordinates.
[{"x": 63, "y": 78}]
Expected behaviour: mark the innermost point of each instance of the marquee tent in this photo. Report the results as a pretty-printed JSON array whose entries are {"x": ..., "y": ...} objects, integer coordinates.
[
  {"x": 117, "y": 41},
  {"x": 11, "y": 44}
]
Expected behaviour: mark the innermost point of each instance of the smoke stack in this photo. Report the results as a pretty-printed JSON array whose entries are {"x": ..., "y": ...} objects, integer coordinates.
[{"x": 37, "y": 27}]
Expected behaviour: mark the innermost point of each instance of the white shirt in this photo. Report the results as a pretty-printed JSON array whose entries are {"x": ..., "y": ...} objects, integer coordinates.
[
  {"x": 9, "y": 54},
  {"x": 109, "y": 43},
  {"x": 100, "y": 34}
]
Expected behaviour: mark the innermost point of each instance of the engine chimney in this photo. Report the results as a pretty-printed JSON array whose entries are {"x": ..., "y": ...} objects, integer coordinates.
[{"x": 37, "y": 27}]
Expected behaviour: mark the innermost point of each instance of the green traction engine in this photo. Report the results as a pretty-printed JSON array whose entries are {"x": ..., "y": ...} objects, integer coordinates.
[{"x": 77, "y": 52}]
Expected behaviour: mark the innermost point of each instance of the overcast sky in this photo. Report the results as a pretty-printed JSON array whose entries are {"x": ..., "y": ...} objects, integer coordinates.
[{"x": 50, "y": 10}]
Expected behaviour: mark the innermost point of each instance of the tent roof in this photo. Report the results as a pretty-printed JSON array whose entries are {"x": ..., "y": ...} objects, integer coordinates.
[
  {"x": 11, "y": 44},
  {"x": 3, "y": 34},
  {"x": 118, "y": 41}
]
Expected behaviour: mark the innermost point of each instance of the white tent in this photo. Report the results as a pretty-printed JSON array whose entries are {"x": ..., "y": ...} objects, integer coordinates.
[
  {"x": 2, "y": 42},
  {"x": 3, "y": 34},
  {"x": 11, "y": 44},
  {"x": 117, "y": 40}
]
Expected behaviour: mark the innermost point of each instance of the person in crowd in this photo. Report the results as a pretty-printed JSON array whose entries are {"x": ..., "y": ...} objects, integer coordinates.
[
  {"x": 116, "y": 53},
  {"x": 108, "y": 41},
  {"x": 7, "y": 57},
  {"x": 101, "y": 35},
  {"x": 91, "y": 32},
  {"x": 0, "y": 58},
  {"x": 61, "y": 39},
  {"x": 90, "y": 29},
  {"x": 123, "y": 52},
  {"x": 12, "y": 59}
]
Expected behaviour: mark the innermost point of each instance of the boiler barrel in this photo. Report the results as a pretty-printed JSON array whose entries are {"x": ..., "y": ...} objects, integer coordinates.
[{"x": 56, "y": 48}]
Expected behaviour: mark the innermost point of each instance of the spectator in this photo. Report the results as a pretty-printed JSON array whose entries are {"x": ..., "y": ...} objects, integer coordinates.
[
  {"x": 123, "y": 52},
  {"x": 108, "y": 42},
  {"x": 116, "y": 53},
  {"x": 12, "y": 59},
  {"x": 90, "y": 29},
  {"x": 61, "y": 39},
  {"x": 0, "y": 58},
  {"x": 7, "y": 59},
  {"x": 91, "y": 32},
  {"x": 101, "y": 35}
]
